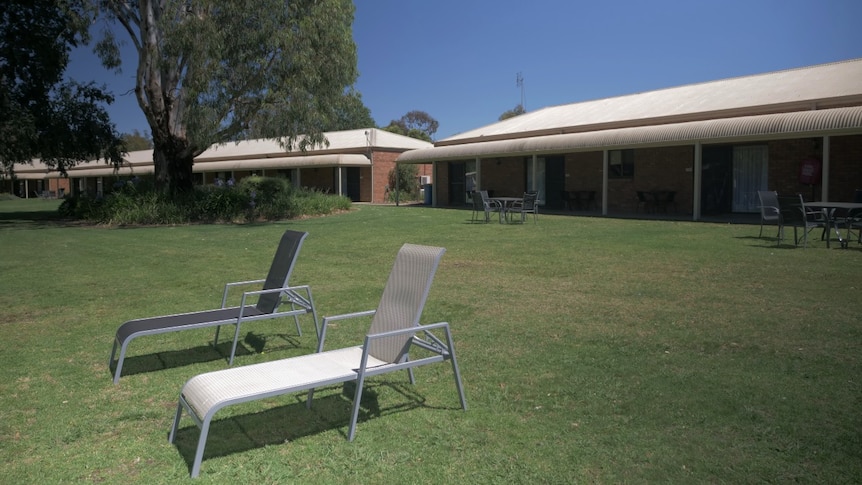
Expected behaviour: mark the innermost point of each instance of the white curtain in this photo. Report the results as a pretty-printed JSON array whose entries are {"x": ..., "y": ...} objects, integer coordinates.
[
  {"x": 750, "y": 169},
  {"x": 536, "y": 178}
]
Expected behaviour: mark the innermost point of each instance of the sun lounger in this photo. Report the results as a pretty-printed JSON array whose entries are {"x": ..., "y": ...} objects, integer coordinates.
[
  {"x": 275, "y": 300},
  {"x": 395, "y": 330}
]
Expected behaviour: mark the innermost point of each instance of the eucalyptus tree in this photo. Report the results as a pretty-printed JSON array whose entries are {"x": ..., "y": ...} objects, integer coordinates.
[
  {"x": 415, "y": 124},
  {"x": 211, "y": 71}
]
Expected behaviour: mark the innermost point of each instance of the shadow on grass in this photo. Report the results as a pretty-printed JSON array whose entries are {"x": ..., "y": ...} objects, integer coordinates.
[
  {"x": 772, "y": 243},
  {"x": 35, "y": 219},
  {"x": 291, "y": 421},
  {"x": 252, "y": 344}
]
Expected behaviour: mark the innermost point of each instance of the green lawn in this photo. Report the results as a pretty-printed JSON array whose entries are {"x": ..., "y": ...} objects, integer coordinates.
[{"x": 592, "y": 350}]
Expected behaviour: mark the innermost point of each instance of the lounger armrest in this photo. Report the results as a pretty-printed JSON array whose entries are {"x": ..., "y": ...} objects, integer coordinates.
[
  {"x": 416, "y": 329},
  {"x": 433, "y": 343},
  {"x": 234, "y": 284},
  {"x": 335, "y": 318},
  {"x": 285, "y": 289}
]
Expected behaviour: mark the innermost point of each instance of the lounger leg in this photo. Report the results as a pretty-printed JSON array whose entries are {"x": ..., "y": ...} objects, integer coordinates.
[
  {"x": 120, "y": 360},
  {"x": 410, "y": 375},
  {"x": 456, "y": 370},
  {"x": 235, "y": 341},
  {"x": 355, "y": 414},
  {"x": 113, "y": 353},
  {"x": 215, "y": 340},
  {"x": 202, "y": 442},
  {"x": 173, "y": 434},
  {"x": 296, "y": 321}
]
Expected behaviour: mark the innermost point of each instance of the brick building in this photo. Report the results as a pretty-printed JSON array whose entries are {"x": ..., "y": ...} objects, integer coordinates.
[
  {"x": 355, "y": 163},
  {"x": 702, "y": 149}
]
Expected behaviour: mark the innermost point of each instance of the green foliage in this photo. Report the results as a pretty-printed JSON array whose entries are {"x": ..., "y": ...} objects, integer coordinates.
[
  {"x": 350, "y": 114},
  {"x": 518, "y": 110},
  {"x": 253, "y": 199},
  {"x": 415, "y": 124},
  {"x": 137, "y": 141},
  {"x": 405, "y": 178},
  {"x": 220, "y": 70},
  {"x": 61, "y": 122}
]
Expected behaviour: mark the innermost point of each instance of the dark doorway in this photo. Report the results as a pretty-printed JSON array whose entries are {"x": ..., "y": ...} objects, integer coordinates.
[
  {"x": 351, "y": 183},
  {"x": 717, "y": 180},
  {"x": 555, "y": 182},
  {"x": 457, "y": 183}
]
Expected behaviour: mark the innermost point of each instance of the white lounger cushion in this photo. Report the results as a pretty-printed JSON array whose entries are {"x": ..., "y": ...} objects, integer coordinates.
[{"x": 208, "y": 392}]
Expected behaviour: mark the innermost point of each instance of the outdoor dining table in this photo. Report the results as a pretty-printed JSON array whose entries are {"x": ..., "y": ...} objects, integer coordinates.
[
  {"x": 851, "y": 209},
  {"x": 505, "y": 203}
]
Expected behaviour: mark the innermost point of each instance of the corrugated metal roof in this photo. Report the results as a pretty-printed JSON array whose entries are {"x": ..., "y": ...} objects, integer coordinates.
[
  {"x": 822, "y": 86},
  {"x": 339, "y": 142},
  {"x": 835, "y": 121},
  {"x": 328, "y": 160},
  {"x": 248, "y": 155}
]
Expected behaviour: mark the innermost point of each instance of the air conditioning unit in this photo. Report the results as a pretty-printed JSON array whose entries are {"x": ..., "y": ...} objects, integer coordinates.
[{"x": 424, "y": 179}]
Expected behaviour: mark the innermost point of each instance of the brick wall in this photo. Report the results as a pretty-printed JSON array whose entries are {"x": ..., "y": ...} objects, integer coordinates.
[
  {"x": 671, "y": 168},
  {"x": 845, "y": 166},
  {"x": 320, "y": 178},
  {"x": 584, "y": 171},
  {"x": 504, "y": 176},
  {"x": 383, "y": 163},
  {"x": 845, "y": 163}
]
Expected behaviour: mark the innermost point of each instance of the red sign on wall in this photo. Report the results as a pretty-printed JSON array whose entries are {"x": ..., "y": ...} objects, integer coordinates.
[{"x": 809, "y": 171}]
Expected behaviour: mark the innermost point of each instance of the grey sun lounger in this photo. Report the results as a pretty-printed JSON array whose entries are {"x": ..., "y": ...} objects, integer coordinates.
[
  {"x": 394, "y": 331},
  {"x": 274, "y": 295}
]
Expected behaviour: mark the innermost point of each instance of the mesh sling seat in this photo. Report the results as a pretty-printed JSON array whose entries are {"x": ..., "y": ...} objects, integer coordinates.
[
  {"x": 483, "y": 204},
  {"x": 529, "y": 204},
  {"x": 394, "y": 331},
  {"x": 794, "y": 213},
  {"x": 274, "y": 295}
]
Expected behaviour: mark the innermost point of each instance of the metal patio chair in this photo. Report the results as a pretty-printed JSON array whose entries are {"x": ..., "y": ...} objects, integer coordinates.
[
  {"x": 274, "y": 295},
  {"x": 395, "y": 330},
  {"x": 770, "y": 212},
  {"x": 528, "y": 205},
  {"x": 794, "y": 213},
  {"x": 482, "y": 204}
]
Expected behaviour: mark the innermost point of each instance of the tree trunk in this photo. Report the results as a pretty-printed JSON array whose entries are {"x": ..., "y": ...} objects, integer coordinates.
[{"x": 173, "y": 159}]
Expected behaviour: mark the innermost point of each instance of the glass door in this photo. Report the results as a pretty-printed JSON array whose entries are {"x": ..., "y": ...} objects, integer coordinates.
[
  {"x": 750, "y": 174},
  {"x": 536, "y": 177}
]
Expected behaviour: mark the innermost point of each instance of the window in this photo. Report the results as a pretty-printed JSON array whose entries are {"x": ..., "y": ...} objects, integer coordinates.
[{"x": 621, "y": 164}]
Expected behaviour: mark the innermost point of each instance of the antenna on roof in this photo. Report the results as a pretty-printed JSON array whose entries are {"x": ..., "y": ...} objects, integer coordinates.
[{"x": 519, "y": 81}]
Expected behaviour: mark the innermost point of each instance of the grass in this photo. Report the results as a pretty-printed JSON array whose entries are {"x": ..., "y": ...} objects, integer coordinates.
[{"x": 592, "y": 350}]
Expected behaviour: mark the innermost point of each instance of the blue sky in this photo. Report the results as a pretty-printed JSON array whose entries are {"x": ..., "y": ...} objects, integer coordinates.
[{"x": 458, "y": 60}]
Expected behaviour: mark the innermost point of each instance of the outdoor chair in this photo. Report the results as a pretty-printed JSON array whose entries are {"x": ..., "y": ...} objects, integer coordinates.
[
  {"x": 854, "y": 219},
  {"x": 569, "y": 199},
  {"x": 394, "y": 331},
  {"x": 529, "y": 204},
  {"x": 482, "y": 204},
  {"x": 770, "y": 212},
  {"x": 274, "y": 295},
  {"x": 586, "y": 199},
  {"x": 663, "y": 199},
  {"x": 794, "y": 213},
  {"x": 644, "y": 201}
]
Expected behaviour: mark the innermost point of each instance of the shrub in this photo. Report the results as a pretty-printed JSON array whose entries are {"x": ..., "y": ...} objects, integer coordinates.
[{"x": 254, "y": 198}]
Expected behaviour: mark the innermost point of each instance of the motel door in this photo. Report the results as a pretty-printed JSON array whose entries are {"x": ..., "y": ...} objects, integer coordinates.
[
  {"x": 350, "y": 184},
  {"x": 555, "y": 182},
  {"x": 547, "y": 177},
  {"x": 750, "y": 174},
  {"x": 716, "y": 180},
  {"x": 457, "y": 183}
]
